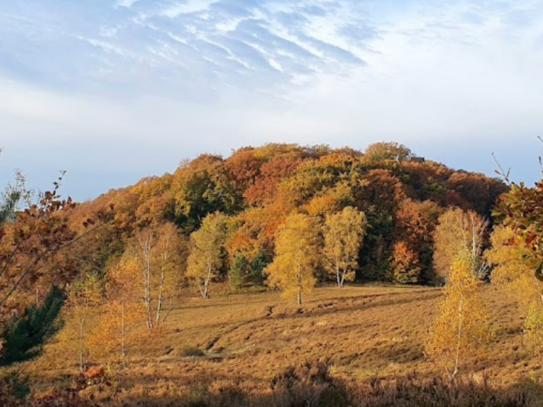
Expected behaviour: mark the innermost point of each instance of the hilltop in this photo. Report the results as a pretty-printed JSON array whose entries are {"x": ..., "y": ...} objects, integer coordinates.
[{"x": 401, "y": 195}]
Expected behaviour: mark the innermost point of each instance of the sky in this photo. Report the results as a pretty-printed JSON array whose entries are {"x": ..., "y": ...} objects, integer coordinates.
[{"x": 115, "y": 90}]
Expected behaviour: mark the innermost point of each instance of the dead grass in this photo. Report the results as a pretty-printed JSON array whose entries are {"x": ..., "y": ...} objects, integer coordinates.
[{"x": 366, "y": 333}]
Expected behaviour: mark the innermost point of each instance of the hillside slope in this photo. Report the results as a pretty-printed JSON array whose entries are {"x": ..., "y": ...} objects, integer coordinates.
[{"x": 366, "y": 332}]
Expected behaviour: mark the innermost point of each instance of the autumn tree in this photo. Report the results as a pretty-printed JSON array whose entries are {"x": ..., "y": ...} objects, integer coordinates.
[
  {"x": 81, "y": 336},
  {"x": 405, "y": 264},
  {"x": 29, "y": 243},
  {"x": 513, "y": 269},
  {"x": 462, "y": 327},
  {"x": 414, "y": 224},
  {"x": 158, "y": 252},
  {"x": 207, "y": 251},
  {"x": 125, "y": 312},
  {"x": 296, "y": 256},
  {"x": 343, "y": 235},
  {"x": 459, "y": 231},
  {"x": 388, "y": 151},
  {"x": 201, "y": 187}
]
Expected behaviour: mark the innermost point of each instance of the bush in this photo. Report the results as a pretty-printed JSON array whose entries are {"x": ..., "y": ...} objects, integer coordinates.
[{"x": 191, "y": 351}]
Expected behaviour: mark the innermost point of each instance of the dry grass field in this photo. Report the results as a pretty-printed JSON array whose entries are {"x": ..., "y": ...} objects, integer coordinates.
[{"x": 243, "y": 341}]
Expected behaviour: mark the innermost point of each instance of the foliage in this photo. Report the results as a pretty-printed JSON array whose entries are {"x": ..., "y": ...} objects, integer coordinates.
[
  {"x": 158, "y": 253},
  {"x": 462, "y": 327},
  {"x": 513, "y": 268},
  {"x": 207, "y": 254},
  {"x": 406, "y": 268},
  {"x": 239, "y": 270},
  {"x": 24, "y": 337},
  {"x": 388, "y": 151},
  {"x": 296, "y": 256},
  {"x": 459, "y": 231},
  {"x": 522, "y": 210},
  {"x": 414, "y": 227},
  {"x": 343, "y": 235},
  {"x": 203, "y": 187}
]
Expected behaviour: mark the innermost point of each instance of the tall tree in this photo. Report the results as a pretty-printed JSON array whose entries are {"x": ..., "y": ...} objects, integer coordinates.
[
  {"x": 462, "y": 327},
  {"x": 124, "y": 310},
  {"x": 207, "y": 253},
  {"x": 157, "y": 250},
  {"x": 343, "y": 235},
  {"x": 296, "y": 256}
]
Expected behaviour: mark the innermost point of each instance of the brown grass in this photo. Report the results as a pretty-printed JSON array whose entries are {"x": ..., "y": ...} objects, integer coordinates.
[{"x": 368, "y": 335}]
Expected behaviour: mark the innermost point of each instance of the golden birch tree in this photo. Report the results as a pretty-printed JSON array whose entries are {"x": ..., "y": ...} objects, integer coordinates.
[
  {"x": 458, "y": 231},
  {"x": 462, "y": 327},
  {"x": 207, "y": 252},
  {"x": 158, "y": 252},
  {"x": 296, "y": 256},
  {"x": 79, "y": 336},
  {"x": 125, "y": 312},
  {"x": 343, "y": 235}
]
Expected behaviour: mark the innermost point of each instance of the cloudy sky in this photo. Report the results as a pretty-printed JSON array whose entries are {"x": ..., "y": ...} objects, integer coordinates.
[{"x": 114, "y": 90}]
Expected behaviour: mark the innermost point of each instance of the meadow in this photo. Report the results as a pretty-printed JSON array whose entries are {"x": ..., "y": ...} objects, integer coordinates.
[{"x": 244, "y": 343}]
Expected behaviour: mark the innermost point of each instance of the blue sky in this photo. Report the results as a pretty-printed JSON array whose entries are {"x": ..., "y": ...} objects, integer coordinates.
[{"x": 115, "y": 90}]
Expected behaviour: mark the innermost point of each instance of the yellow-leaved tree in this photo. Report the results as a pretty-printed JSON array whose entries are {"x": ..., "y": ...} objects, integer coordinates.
[
  {"x": 457, "y": 231},
  {"x": 513, "y": 268},
  {"x": 207, "y": 252},
  {"x": 158, "y": 251},
  {"x": 125, "y": 313},
  {"x": 462, "y": 327},
  {"x": 343, "y": 235},
  {"x": 296, "y": 256},
  {"x": 79, "y": 339}
]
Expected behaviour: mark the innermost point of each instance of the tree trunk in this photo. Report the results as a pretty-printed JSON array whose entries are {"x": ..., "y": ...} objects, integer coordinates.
[
  {"x": 81, "y": 344},
  {"x": 160, "y": 296},
  {"x": 343, "y": 278},
  {"x": 338, "y": 276},
  {"x": 459, "y": 337},
  {"x": 123, "y": 334},
  {"x": 206, "y": 283},
  {"x": 147, "y": 277}
]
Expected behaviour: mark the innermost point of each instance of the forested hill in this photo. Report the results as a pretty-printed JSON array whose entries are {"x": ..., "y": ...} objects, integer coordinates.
[{"x": 402, "y": 196}]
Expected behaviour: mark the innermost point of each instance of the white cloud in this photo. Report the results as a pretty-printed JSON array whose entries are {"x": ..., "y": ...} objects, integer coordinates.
[{"x": 465, "y": 75}]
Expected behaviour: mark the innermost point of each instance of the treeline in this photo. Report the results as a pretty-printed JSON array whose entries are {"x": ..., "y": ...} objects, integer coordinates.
[
  {"x": 395, "y": 198},
  {"x": 400, "y": 195}
]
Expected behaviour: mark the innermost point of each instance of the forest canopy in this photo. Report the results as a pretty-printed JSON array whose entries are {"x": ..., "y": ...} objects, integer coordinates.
[{"x": 399, "y": 194}]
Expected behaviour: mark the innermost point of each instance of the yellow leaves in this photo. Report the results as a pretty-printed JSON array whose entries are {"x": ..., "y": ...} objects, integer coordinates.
[
  {"x": 297, "y": 256},
  {"x": 343, "y": 235},
  {"x": 533, "y": 329},
  {"x": 514, "y": 267},
  {"x": 206, "y": 256},
  {"x": 462, "y": 327},
  {"x": 456, "y": 231}
]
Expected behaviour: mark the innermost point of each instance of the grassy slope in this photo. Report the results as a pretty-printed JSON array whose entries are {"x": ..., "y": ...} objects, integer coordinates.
[{"x": 248, "y": 338}]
